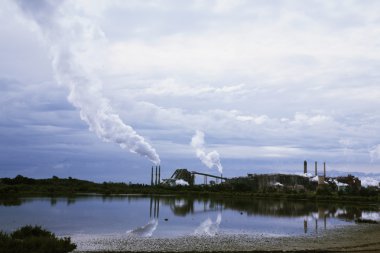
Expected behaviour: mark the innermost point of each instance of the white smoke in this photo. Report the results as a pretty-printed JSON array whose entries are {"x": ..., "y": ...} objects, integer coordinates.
[
  {"x": 369, "y": 181},
  {"x": 208, "y": 227},
  {"x": 181, "y": 182},
  {"x": 70, "y": 39},
  {"x": 374, "y": 153},
  {"x": 210, "y": 159}
]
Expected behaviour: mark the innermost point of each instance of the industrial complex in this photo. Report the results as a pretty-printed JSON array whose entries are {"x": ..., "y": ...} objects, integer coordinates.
[{"x": 305, "y": 181}]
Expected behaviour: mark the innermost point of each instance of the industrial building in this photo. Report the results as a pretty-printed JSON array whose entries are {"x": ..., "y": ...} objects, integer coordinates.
[
  {"x": 189, "y": 177},
  {"x": 263, "y": 182}
]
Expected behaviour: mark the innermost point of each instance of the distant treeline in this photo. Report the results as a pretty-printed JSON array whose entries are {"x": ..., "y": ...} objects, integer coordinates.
[
  {"x": 64, "y": 186},
  {"x": 21, "y": 186}
]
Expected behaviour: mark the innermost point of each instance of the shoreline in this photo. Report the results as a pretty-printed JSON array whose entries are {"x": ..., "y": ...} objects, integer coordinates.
[
  {"x": 355, "y": 238},
  {"x": 20, "y": 186}
]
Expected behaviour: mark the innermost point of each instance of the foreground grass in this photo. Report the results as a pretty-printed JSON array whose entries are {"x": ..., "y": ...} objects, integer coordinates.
[{"x": 34, "y": 239}]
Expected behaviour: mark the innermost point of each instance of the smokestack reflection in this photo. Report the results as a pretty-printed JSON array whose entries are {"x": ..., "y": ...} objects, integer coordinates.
[
  {"x": 148, "y": 229},
  {"x": 316, "y": 226},
  {"x": 155, "y": 203},
  {"x": 150, "y": 208},
  {"x": 305, "y": 225}
]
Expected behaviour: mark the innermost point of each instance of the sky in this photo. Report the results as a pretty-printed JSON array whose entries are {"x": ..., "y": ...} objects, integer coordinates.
[{"x": 269, "y": 83}]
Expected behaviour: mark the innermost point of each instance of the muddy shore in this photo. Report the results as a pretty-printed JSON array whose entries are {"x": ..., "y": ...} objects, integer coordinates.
[{"x": 356, "y": 238}]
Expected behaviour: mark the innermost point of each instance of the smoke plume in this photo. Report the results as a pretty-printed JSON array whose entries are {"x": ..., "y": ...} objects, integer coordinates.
[
  {"x": 71, "y": 39},
  {"x": 374, "y": 153},
  {"x": 210, "y": 159}
]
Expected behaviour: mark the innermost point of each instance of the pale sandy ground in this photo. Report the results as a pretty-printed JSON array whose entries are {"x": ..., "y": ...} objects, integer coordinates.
[{"x": 359, "y": 238}]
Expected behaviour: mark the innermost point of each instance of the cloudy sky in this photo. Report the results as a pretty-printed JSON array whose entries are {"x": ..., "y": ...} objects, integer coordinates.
[{"x": 270, "y": 83}]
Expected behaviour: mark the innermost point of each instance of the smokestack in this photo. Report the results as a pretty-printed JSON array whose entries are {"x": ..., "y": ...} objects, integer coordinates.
[
  {"x": 151, "y": 182},
  {"x": 155, "y": 207},
  {"x": 305, "y": 167},
  {"x": 156, "y": 175},
  {"x": 159, "y": 174},
  {"x": 316, "y": 171},
  {"x": 324, "y": 169}
]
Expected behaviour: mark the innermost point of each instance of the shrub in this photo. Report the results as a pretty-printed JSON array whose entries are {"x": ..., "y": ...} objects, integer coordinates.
[
  {"x": 323, "y": 190},
  {"x": 34, "y": 239},
  {"x": 29, "y": 231}
]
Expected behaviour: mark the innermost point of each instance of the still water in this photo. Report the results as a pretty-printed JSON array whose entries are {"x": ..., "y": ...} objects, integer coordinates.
[{"x": 170, "y": 216}]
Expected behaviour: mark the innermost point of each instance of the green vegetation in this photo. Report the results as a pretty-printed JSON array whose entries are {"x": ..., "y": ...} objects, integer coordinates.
[
  {"x": 12, "y": 188},
  {"x": 34, "y": 239},
  {"x": 23, "y": 186}
]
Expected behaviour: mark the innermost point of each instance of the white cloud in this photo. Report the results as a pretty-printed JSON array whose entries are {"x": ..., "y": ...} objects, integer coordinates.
[
  {"x": 303, "y": 119},
  {"x": 221, "y": 6},
  {"x": 276, "y": 52},
  {"x": 171, "y": 87},
  {"x": 257, "y": 120}
]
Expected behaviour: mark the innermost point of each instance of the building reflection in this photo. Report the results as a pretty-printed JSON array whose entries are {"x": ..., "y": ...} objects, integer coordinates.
[
  {"x": 312, "y": 216},
  {"x": 315, "y": 215},
  {"x": 185, "y": 206}
]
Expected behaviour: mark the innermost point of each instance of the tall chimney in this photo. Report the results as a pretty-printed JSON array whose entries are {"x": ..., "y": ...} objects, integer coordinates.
[
  {"x": 151, "y": 181},
  {"x": 324, "y": 169},
  {"x": 316, "y": 171},
  {"x": 156, "y": 175},
  {"x": 159, "y": 174},
  {"x": 305, "y": 167}
]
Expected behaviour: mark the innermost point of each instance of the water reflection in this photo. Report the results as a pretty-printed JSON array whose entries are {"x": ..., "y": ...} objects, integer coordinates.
[
  {"x": 146, "y": 216},
  {"x": 185, "y": 206},
  {"x": 314, "y": 216},
  {"x": 146, "y": 230},
  {"x": 155, "y": 206},
  {"x": 181, "y": 207},
  {"x": 209, "y": 227},
  {"x": 277, "y": 208}
]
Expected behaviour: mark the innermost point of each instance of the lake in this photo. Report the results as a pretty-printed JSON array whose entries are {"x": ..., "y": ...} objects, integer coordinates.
[{"x": 173, "y": 216}]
